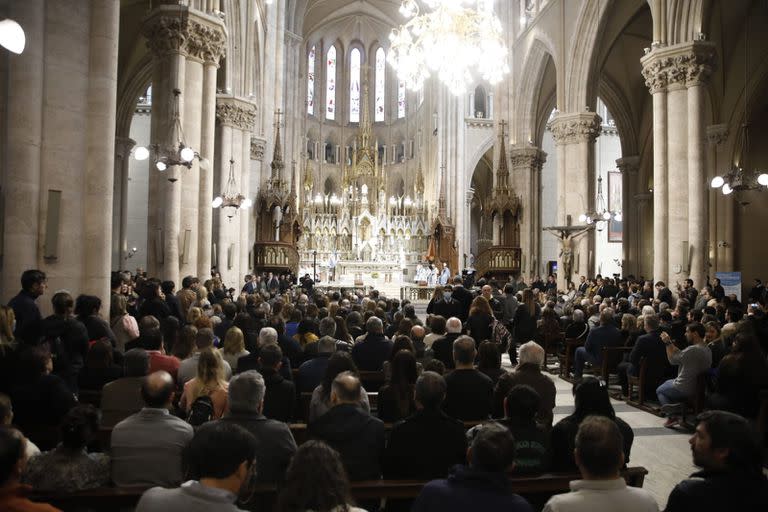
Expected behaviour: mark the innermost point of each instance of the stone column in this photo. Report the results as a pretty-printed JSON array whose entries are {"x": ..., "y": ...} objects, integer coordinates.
[
  {"x": 21, "y": 169},
  {"x": 102, "y": 113},
  {"x": 716, "y": 135},
  {"x": 236, "y": 118},
  {"x": 123, "y": 147},
  {"x": 526, "y": 164},
  {"x": 641, "y": 225},
  {"x": 628, "y": 166},
  {"x": 166, "y": 30},
  {"x": 576, "y": 133},
  {"x": 698, "y": 72},
  {"x": 655, "y": 76}
]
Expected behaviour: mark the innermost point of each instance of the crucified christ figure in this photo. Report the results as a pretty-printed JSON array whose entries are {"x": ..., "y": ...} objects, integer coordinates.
[{"x": 566, "y": 235}]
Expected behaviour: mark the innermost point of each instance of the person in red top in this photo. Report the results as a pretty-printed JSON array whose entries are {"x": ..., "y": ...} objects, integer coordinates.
[
  {"x": 158, "y": 359},
  {"x": 13, "y": 461}
]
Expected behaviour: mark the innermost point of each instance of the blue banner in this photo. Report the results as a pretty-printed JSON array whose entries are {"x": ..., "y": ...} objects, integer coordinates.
[{"x": 731, "y": 282}]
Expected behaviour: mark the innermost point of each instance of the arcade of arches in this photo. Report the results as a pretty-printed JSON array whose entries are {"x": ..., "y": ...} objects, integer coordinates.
[{"x": 358, "y": 173}]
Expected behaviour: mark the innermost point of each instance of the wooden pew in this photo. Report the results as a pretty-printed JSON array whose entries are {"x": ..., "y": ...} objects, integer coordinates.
[
  {"x": 537, "y": 489},
  {"x": 638, "y": 382}
]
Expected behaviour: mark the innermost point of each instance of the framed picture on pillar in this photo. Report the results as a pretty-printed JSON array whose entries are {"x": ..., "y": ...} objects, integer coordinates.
[{"x": 615, "y": 228}]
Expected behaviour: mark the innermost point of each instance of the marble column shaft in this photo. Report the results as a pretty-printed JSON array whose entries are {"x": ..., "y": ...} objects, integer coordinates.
[
  {"x": 525, "y": 169},
  {"x": 123, "y": 147},
  {"x": 21, "y": 175},
  {"x": 697, "y": 196},
  {"x": 207, "y": 145},
  {"x": 677, "y": 183},
  {"x": 575, "y": 135},
  {"x": 628, "y": 166}
]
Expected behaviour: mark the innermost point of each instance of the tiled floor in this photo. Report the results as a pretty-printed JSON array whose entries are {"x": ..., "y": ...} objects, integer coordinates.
[{"x": 663, "y": 452}]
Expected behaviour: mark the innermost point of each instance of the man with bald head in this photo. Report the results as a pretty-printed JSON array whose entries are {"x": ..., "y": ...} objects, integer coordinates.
[
  {"x": 417, "y": 337},
  {"x": 350, "y": 430},
  {"x": 147, "y": 446}
]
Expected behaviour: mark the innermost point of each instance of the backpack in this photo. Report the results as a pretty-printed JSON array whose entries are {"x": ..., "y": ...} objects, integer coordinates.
[{"x": 201, "y": 411}]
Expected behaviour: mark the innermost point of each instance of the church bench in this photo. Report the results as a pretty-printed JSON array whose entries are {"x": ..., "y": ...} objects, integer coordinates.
[
  {"x": 639, "y": 382},
  {"x": 535, "y": 488},
  {"x": 566, "y": 359}
]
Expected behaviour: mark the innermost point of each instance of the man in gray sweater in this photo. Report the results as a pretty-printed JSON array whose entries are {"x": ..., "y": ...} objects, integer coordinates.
[{"x": 222, "y": 459}]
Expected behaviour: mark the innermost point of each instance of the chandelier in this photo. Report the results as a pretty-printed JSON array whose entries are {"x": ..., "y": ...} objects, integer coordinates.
[
  {"x": 450, "y": 40},
  {"x": 600, "y": 215},
  {"x": 168, "y": 156},
  {"x": 741, "y": 178},
  {"x": 231, "y": 200}
]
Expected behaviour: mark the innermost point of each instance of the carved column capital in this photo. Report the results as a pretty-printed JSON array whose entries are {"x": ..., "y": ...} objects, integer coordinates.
[
  {"x": 123, "y": 146},
  {"x": 628, "y": 164},
  {"x": 573, "y": 128},
  {"x": 717, "y": 134},
  {"x": 527, "y": 157},
  {"x": 258, "y": 145},
  {"x": 235, "y": 112},
  {"x": 205, "y": 42},
  {"x": 682, "y": 65}
]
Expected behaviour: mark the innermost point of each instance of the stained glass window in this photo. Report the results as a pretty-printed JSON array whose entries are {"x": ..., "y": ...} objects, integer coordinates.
[
  {"x": 311, "y": 82},
  {"x": 401, "y": 99},
  {"x": 381, "y": 69},
  {"x": 330, "y": 84},
  {"x": 354, "y": 86}
]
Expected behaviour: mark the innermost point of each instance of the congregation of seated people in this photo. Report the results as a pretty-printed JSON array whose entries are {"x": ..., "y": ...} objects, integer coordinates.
[{"x": 200, "y": 391}]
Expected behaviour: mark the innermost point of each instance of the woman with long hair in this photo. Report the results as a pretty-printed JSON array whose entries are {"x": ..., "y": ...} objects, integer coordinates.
[
  {"x": 234, "y": 347},
  {"x": 7, "y": 323},
  {"x": 591, "y": 399},
  {"x": 437, "y": 296},
  {"x": 489, "y": 360},
  {"x": 185, "y": 346},
  {"x": 123, "y": 325},
  {"x": 316, "y": 480},
  {"x": 525, "y": 323},
  {"x": 479, "y": 323},
  {"x": 629, "y": 330},
  {"x": 208, "y": 382},
  {"x": 99, "y": 368},
  {"x": 321, "y": 396},
  {"x": 740, "y": 377},
  {"x": 396, "y": 397}
]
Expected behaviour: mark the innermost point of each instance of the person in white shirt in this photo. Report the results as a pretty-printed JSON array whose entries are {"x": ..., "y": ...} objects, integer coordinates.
[
  {"x": 600, "y": 457},
  {"x": 445, "y": 275}
]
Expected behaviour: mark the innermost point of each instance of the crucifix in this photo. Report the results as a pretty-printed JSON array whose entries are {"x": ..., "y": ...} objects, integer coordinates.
[
  {"x": 278, "y": 114},
  {"x": 566, "y": 235}
]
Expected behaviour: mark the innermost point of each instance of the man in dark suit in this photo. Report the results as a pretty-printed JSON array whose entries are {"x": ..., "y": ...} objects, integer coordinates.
[
  {"x": 469, "y": 391},
  {"x": 604, "y": 335},
  {"x": 410, "y": 454},
  {"x": 351, "y": 431},
  {"x": 275, "y": 443},
  {"x": 652, "y": 348},
  {"x": 442, "y": 349},
  {"x": 463, "y": 297},
  {"x": 280, "y": 396},
  {"x": 664, "y": 294},
  {"x": 370, "y": 354}
]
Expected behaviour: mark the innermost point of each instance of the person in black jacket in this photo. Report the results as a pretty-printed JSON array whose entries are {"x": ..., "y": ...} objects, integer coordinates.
[
  {"x": 280, "y": 396},
  {"x": 33, "y": 285},
  {"x": 275, "y": 444},
  {"x": 652, "y": 348},
  {"x": 174, "y": 306},
  {"x": 66, "y": 338},
  {"x": 664, "y": 294},
  {"x": 470, "y": 392},
  {"x": 350, "y": 430},
  {"x": 370, "y": 354},
  {"x": 463, "y": 297},
  {"x": 728, "y": 452}
]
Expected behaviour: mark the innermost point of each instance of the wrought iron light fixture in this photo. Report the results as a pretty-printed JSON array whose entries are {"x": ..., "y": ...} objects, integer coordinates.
[
  {"x": 601, "y": 213},
  {"x": 741, "y": 178},
  {"x": 449, "y": 40},
  {"x": 231, "y": 200},
  {"x": 168, "y": 156}
]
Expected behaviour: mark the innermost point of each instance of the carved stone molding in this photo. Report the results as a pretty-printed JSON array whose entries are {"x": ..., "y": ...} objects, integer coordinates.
[
  {"x": 205, "y": 43},
  {"x": 628, "y": 164},
  {"x": 717, "y": 134},
  {"x": 258, "y": 145},
  {"x": 575, "y": 128},
  {"x": 527, "y": 157},
  {"x": 123, "y": 146},
  {"x": 231, "y": 111},
  {"x": 687, "y": 65},
  {"x": 173, "y": 29}
]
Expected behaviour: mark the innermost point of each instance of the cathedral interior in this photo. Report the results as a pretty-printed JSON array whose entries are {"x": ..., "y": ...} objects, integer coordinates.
[{"x": 307, "y": 149}]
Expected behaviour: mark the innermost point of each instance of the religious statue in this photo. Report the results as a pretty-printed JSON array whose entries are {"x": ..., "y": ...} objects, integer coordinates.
[
  {"x": 277, "y": 216},
  {"x": 566, "y": 235}
]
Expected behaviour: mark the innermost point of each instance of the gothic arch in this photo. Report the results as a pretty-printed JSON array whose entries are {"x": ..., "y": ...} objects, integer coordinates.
[
  {"x": 474, "y": 160},
  {"x": 618, "y": 106},
  {"x": 530, "y": 88},
  {"x": 128, "y": 94},
  {"x": 581, "y": 71}
]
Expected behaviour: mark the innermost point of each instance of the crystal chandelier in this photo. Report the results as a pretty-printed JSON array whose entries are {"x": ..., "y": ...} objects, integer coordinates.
[
  {"x": 168, "y": 156},
  {"x": 601, "y": 214},
  {"x": 231, "y": 200},
  {"x": 454, "y": 37}
]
